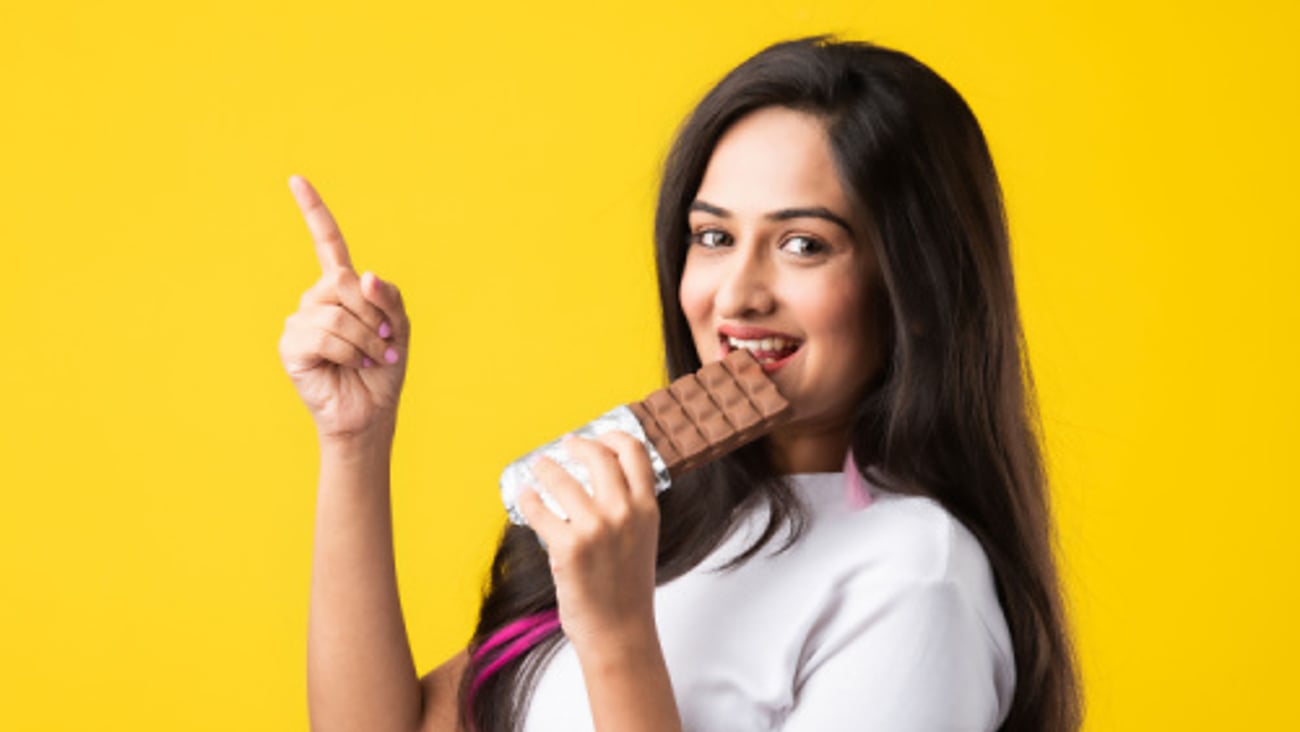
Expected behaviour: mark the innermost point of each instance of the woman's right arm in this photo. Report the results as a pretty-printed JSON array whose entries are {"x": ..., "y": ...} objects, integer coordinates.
[{"x": 345, "y": 351}]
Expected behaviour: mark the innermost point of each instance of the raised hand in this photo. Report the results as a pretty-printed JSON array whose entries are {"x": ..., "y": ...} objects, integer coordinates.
[{"x": 345, "y": 348}]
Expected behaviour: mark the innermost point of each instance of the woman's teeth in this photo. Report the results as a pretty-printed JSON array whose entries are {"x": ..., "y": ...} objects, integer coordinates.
[{"x": 767, "y": 349}]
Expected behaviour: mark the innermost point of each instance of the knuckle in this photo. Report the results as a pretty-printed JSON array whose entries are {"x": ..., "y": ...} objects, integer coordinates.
[
  {"x": 527, "y": 504},
  {"x": 542, "y": 464},
  {"x": 339, "y": 280},
  {"x": 622, "y": 439},
  {"x": 600, "y": 446},
  {"x": 336, "y": 319},
  {"x": 637, "y": 449},
  {"x": 314, "y": 294},
  {"x": 625, "y": 444},
  {"x": 586, "y": 538},
  {"x": 596, "y": 451},
  {"x": 320, "y": 341},
  {"x": 646, "y": 505},
  {"x": 528, "y": 497},
  {"x": 620, "y": 514},
  {"x": 332, "y": 236}
]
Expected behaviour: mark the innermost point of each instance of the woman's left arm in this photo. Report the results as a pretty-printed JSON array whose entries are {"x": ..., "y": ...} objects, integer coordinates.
[{"x": 603, "y": 561}]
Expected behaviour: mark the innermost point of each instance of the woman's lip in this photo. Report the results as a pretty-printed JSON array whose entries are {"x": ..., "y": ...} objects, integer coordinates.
[{"x": 746, "y": 333}]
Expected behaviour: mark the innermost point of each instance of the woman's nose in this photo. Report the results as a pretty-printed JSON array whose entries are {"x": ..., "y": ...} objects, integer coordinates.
[{"x": 745, "y": 289}]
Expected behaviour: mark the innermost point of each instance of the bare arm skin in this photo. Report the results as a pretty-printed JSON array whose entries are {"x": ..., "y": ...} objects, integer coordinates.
[
  {"x": 440, "y": 687},
  {"x": 360, "y": 672},
  {"x": 345, "y": 351},
  {"x": 628, "y": 685}
]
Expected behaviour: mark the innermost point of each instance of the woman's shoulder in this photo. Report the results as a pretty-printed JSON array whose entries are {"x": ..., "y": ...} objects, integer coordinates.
[
  {"x": 895, "y": 541},
  {"x": 921, "y": 550},
  {"x": 915, "y": 538},
  {"x": 905, "y": 573},
  {"x": 902, "y": 543}
]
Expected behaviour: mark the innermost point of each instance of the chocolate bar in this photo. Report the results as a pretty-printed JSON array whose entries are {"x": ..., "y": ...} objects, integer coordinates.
[
  {"x": 697, "y": 418},
  {"x": 705, "y": 415}
]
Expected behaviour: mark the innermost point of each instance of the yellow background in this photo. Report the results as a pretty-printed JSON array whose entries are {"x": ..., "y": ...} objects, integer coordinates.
[{"x": 499, "y": 163}]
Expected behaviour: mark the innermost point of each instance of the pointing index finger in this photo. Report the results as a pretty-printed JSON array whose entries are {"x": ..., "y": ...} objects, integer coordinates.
[{"x": 330, "y": 248}]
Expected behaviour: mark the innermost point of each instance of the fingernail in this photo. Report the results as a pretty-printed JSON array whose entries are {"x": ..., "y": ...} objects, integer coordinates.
[
  {"x": 384, "y": 330},
  {"x": 391, "y": 355},
  {"x": 367, "y": 363}
]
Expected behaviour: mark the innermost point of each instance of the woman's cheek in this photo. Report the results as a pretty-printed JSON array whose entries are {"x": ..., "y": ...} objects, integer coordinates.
[
  {"x": 693, "y": 297},
  {"x": 853, "y": 330},
  {"x": 833, "y": 312}
]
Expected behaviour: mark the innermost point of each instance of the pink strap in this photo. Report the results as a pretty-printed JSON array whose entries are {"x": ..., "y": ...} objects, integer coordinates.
[
  {"x": 856, "y": 494},
  {"x": 512, "y": 630},
  {"x": 517, "y": 648}
]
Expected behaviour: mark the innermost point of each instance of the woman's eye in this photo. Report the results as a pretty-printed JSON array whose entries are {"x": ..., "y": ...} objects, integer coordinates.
[
  {"x": 809, "y": 246},
  {"x": 710, "y": 238}
]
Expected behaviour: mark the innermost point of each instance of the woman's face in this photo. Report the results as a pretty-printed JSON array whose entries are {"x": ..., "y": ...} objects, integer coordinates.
[{"x": 779, "y": 263}]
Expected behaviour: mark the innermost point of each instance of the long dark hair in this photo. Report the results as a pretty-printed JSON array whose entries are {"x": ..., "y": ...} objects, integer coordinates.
[{"x": 950, "y": 415}]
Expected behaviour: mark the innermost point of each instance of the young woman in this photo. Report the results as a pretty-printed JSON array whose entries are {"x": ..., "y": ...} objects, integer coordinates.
[{"x": 882, "y": 561}]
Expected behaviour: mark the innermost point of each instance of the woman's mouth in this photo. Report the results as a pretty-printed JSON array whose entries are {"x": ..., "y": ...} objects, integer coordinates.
[{"x": 771, "y": 353}]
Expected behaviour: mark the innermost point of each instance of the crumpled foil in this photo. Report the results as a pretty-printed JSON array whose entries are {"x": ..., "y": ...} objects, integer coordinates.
[{"x": 517, "y": 474}]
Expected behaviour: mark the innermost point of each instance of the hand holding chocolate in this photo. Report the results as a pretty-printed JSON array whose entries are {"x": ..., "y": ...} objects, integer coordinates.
[{"x": 697, "y": 418}]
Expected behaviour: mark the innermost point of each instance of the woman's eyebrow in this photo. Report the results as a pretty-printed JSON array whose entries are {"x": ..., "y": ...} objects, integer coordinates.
[{"x": 785, "y": 214}]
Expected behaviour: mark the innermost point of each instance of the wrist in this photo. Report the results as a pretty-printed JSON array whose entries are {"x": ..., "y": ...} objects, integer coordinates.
[
  {"x": 634, "y": 642},
  {"x": 627, "y": 681},
  {"x": 368, "y": 446}
]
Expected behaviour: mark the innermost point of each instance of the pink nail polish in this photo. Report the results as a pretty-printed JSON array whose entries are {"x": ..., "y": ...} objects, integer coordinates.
[
  {"x": 384, "y": 330},
  {"x": 391, "y": 355}
]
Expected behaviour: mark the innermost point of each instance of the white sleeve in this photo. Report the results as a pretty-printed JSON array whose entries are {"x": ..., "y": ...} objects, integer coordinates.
[{"x": 905, "y": 659}]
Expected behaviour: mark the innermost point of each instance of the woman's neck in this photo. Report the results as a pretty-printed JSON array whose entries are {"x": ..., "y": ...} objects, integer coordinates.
[{"x": 799, "y": 449}]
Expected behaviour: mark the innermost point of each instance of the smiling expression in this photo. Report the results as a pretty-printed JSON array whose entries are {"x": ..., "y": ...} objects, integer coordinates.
[{"x": 778, "y": 252}]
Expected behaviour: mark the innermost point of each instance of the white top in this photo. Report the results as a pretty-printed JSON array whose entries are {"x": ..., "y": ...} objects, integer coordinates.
[{"x": 883, "y": 618}]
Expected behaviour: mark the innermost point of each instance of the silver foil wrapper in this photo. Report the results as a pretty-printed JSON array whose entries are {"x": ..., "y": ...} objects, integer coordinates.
[{"x": 517, "y": 474}]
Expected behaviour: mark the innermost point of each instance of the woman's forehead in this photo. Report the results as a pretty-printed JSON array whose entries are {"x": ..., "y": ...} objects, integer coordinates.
[{"x": 770, "y": 160}]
